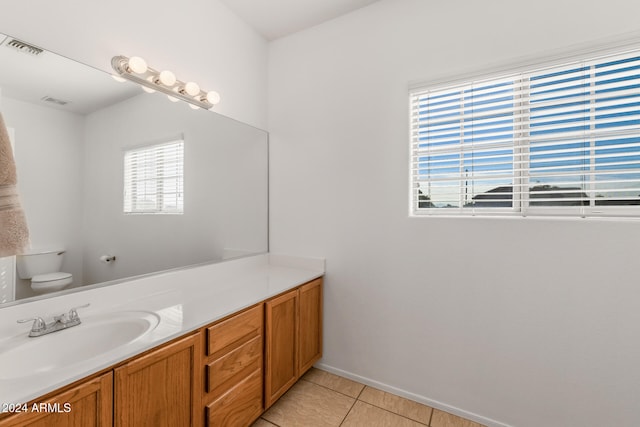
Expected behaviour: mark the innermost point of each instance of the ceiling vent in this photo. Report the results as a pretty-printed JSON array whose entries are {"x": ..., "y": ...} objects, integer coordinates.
[
  {"x": 54, "y": 100},
  {"x": 21, "y": 46}
]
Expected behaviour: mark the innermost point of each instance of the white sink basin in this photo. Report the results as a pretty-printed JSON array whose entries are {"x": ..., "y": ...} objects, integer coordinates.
[{"x": 95, "y": 336}]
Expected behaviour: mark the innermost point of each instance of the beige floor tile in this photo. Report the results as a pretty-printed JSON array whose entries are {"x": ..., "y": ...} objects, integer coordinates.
[
  {"x": 444, "y": 419},
  {"x": 397, "y": 405},
  {"x": 364, "y": 414},
  {"x": 334, "y": 382},
  {"x": 262, "y": 423},
  {"x": 309, "y": 405}
]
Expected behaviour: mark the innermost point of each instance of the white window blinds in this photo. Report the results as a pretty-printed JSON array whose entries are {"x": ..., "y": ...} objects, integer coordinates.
[
  {"x": 558, "y": 140},
  {"x": 153, "y": 179}
]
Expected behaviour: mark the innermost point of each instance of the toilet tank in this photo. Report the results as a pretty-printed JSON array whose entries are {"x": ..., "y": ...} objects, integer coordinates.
[{"x": 36, "y": 262}]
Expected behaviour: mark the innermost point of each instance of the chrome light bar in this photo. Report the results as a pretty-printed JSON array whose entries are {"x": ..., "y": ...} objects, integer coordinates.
[{"x": 136, "y": 70}]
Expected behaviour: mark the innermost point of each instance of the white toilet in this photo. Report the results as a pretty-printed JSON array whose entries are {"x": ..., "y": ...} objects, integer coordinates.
[{"x": 43, "y": 268}]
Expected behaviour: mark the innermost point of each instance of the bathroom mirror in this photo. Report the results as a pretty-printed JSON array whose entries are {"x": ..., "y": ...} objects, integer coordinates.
[{"x": 72, "y": 126}]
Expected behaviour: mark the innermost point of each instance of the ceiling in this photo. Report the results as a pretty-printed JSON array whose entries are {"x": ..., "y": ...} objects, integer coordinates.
[
  {"x": 278, "y": 18},
  {"x": 49, "y": 76},
  {"x": 46, "y": 78}
]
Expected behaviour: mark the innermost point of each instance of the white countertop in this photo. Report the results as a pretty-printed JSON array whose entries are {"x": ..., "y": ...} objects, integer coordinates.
[{"x": 183, "y": 300}]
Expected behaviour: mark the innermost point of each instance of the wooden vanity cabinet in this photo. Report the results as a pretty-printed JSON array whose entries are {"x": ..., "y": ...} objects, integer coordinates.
[
  {"x": 234, "y": 369},
  {"x": 161, "y": 388},
  {"x": 88, "y": 404},
  {"x": 225, "y": 374},
  {"x": 293, "y": 333}
]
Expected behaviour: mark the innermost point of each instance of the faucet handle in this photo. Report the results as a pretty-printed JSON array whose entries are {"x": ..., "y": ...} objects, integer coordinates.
[
  {"x": 73, "y": 313},
  {"x": 38, "y": 323}
]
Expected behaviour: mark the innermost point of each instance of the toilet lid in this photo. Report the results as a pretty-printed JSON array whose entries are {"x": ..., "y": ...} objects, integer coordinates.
[{"x": 50, "y": 277}]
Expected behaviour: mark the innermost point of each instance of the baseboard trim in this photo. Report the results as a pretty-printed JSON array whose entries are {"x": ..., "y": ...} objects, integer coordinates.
[{"x": 412, "y": 396}]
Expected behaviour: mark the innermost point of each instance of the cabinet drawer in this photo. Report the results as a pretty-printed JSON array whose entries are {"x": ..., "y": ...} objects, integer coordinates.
[
  {"x": 231, "y": 368},
  {"x": 235, "y": 331},
  {"x": 240, "y": 406}
]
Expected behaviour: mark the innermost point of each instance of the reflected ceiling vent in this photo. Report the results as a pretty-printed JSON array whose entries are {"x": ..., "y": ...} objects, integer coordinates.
[
  {"x": 21, "y": 46},
  {"x": 54, "y": 100}
]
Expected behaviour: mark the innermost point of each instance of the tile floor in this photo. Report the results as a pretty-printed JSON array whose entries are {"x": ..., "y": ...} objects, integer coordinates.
[{"x": 321, "y": 399}]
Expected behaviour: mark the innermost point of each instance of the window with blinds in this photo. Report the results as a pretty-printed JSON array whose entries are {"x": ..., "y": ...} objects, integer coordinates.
[
  {"x": 153, "y": 179},
  {"x": 559, "y": 140}
]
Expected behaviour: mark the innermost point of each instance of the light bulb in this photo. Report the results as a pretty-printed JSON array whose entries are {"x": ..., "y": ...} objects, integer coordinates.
[
  {"x": 213, "y": 97},
  {"x": 172, "y": 98},
  {"x": 192, "y": 88},
  {"x": 137, "y": 65},
  {"x": 194, "y": 107},
  {"x": 167, "y": 78},
  {"x": 118, "y": 78}
]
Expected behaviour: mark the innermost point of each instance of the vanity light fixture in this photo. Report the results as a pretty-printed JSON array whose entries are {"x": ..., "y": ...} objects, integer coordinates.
[{"x": 137, "y": 70}]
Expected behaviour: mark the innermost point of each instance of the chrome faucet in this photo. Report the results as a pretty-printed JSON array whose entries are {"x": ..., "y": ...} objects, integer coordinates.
[{"x": 63, "y": 321}]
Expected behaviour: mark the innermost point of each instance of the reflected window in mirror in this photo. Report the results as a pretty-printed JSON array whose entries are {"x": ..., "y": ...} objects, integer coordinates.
[{"x": 153, "y": 178}]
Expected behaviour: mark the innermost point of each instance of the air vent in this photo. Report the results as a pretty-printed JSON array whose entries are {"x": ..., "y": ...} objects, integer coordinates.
[
  {"x": 54, "y": 100},
  {"x": 21, "y": 46}
]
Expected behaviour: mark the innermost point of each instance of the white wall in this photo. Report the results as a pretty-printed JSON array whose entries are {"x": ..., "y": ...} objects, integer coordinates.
[
  {"x": 48, "y": 154},
  {"x": 527, "y": 322},
  {"x": 225, "y": 189},
  {"x": 200, "y": 40}
]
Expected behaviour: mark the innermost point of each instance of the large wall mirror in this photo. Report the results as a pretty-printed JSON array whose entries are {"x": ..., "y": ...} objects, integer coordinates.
[{"x": 72, "y": 126}]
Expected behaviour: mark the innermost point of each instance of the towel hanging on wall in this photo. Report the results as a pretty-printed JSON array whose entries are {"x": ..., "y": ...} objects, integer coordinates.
[{"x": 14, "y": 233}]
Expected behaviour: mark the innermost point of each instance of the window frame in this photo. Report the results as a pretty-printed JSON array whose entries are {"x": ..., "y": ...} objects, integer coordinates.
[
  {"x": 521, "y": 206},
  {"x": 160, "y": 208}
]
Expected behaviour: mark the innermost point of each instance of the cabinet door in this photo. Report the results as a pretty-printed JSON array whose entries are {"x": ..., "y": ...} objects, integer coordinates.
[
  {"x": 161, "y": 388},
  {"x": 86, "y": 405},
  {"x": 310, "y": 336},
  {"x": 281, "y": 367}
]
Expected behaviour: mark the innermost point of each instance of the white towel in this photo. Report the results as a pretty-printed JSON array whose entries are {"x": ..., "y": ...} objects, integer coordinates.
[{"x": 14, "y": 233}]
